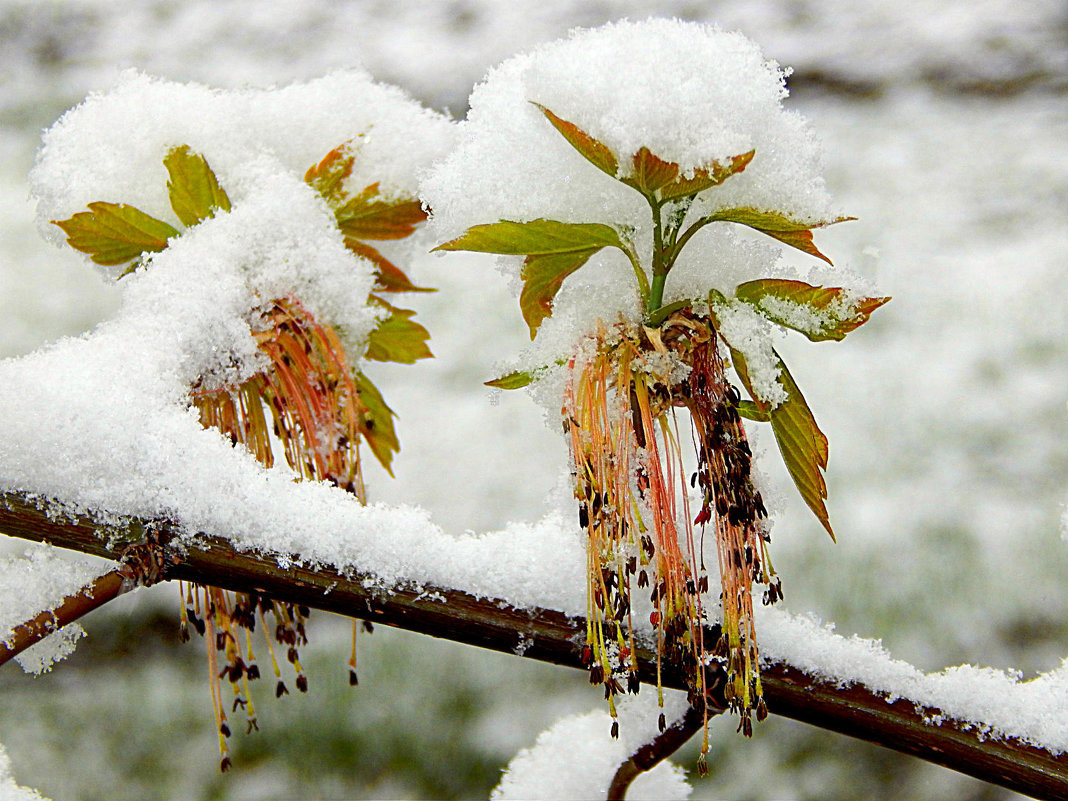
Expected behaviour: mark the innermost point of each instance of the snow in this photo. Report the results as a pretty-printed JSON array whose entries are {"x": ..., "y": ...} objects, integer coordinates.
[
  {"x": 577, "y": 757},
  {"x": 37, "y": 581},
  {"x": 111, "y": 146},
  {"x": 9, "y": 791},
  {"x": 993, "y": 702}
]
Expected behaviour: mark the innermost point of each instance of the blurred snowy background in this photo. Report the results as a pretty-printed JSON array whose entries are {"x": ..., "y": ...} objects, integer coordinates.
[{"x": 944, "y": 125}]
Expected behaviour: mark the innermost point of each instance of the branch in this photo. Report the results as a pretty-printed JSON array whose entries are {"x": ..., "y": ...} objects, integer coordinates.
[
  {"x": 653, "y": 753},
  {"x": 92, "y": 596},
  {"x": 551, "y": 636}
]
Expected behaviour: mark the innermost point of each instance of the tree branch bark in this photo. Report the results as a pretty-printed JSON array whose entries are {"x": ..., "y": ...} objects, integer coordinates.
[{"x": 550, "y": 636}]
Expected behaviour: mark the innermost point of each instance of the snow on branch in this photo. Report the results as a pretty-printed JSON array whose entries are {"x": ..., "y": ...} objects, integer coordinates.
[{"x": 841, "y": 705}]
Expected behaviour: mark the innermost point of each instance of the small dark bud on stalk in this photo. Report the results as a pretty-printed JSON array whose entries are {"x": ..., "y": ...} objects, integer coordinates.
[{"x": 281, "y": 690}]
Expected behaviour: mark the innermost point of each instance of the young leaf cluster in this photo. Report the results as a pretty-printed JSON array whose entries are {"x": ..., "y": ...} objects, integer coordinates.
[
  {"x": 553, "y": 250},
  {"x": 114, "y": 234}
]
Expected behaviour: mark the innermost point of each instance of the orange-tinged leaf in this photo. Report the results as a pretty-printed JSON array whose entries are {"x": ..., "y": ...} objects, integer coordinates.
[
  {"x": 376, "y": 422},
  {"x": 595, "y": 151},
  {"x": 650, "y": 172},
  {"x": 370, "y": 216},
  {"x": 388, "y": 276},
  {"x": 398, "y": 338},
  {"x": 193, "y": 189},
  {"x": 114, "y": 233},
  {"x": 828, "y": 313},
  {"x": 706, "y": 178},
  {"x": 328, "y": 176},
  {"x": 795, "y": 233}
]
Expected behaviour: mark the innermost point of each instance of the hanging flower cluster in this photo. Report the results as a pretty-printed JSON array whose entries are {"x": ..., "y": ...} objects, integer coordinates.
[
  {"x": 627, "y": 384},
  {"x": 306, "y": 400}
]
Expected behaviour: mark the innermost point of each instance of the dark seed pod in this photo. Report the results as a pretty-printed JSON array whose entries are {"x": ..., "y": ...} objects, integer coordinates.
[
  {"x": 633, "y": 683},
  {"x": 615, "y": 729},
  {"x": 662, "y": 723},
  {"x": 643, "y": 579},
  {"x": 368, "y": 626},
  {"x": 302, "y": 683},
  {"x": 220, "y": 640},
  {"x": 252, "y": 671},
  {"x": 596, "y": 674},
  {"x": 281, "y": 689},
  {"x": 762, "y": 711},
  {"x": 292, "y": 655},
  {"x": 183, "y": 633},
  {"x": 224, "y": 730},
  {"x": 225, "y": 764},
  {"x": 353, "y": 680}
]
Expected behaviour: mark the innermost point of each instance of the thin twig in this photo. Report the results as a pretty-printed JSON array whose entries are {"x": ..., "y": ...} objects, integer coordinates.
[
  {"x": 92, "y": 596},
  {"x": 653, "y": 753}
]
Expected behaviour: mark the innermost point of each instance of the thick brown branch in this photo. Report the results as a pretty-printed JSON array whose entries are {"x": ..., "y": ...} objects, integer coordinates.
[
  {"x": 553, "y": 637},
  {"x": 94, "y": 595}
]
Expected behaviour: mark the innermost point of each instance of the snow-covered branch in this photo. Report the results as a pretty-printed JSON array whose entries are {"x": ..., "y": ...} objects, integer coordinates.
[{"x": 847, "y": 707}]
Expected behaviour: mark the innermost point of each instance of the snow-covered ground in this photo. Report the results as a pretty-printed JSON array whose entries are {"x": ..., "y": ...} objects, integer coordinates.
[{"x": 943, "y": 125}]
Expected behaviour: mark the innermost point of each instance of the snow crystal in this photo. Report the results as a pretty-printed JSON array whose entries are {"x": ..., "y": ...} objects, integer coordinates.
[
  {"x": 37, "y": 582},
  {"x": 577, "y": 757},
  {"x": 9, "y": 791}
]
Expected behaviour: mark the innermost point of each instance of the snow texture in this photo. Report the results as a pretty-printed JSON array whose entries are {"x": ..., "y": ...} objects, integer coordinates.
[
  {"x": 577, "y": 757},
  {"x": 9, "y": 791},
  {"x": 39, "y": 581},
  {"x": 992, "y": 702}
]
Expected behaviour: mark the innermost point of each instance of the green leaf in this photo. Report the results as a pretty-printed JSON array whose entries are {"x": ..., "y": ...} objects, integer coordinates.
[
  {"x": 536, "y": 237},
  {"x": 655, "y": 318},
  {"x": 751, "y": 411},
  {"x": 398, "y": 338},
  {"x": 376, "y": 422},
  {"x": 328, "y": 176},
  {"x": 595, "y": 151},
  {"x": 553, "y": 251},
  {"x": 703, "y": 179},
  {"x": 795, "y": 233},
  {"x": 516, "y": 380},
  {"x": 803, "y": 446},
  {"x": 114, "y": 233},
  {"x": 370, "y": 216},
  {"x": 388, "y": 276},
  {"x": 833, "y": 315},
  {"x": 194, "y": 190}
]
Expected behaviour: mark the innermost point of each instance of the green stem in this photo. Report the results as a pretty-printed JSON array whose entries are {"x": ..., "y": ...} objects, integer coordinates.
[{"x": 661, "y": 267}]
